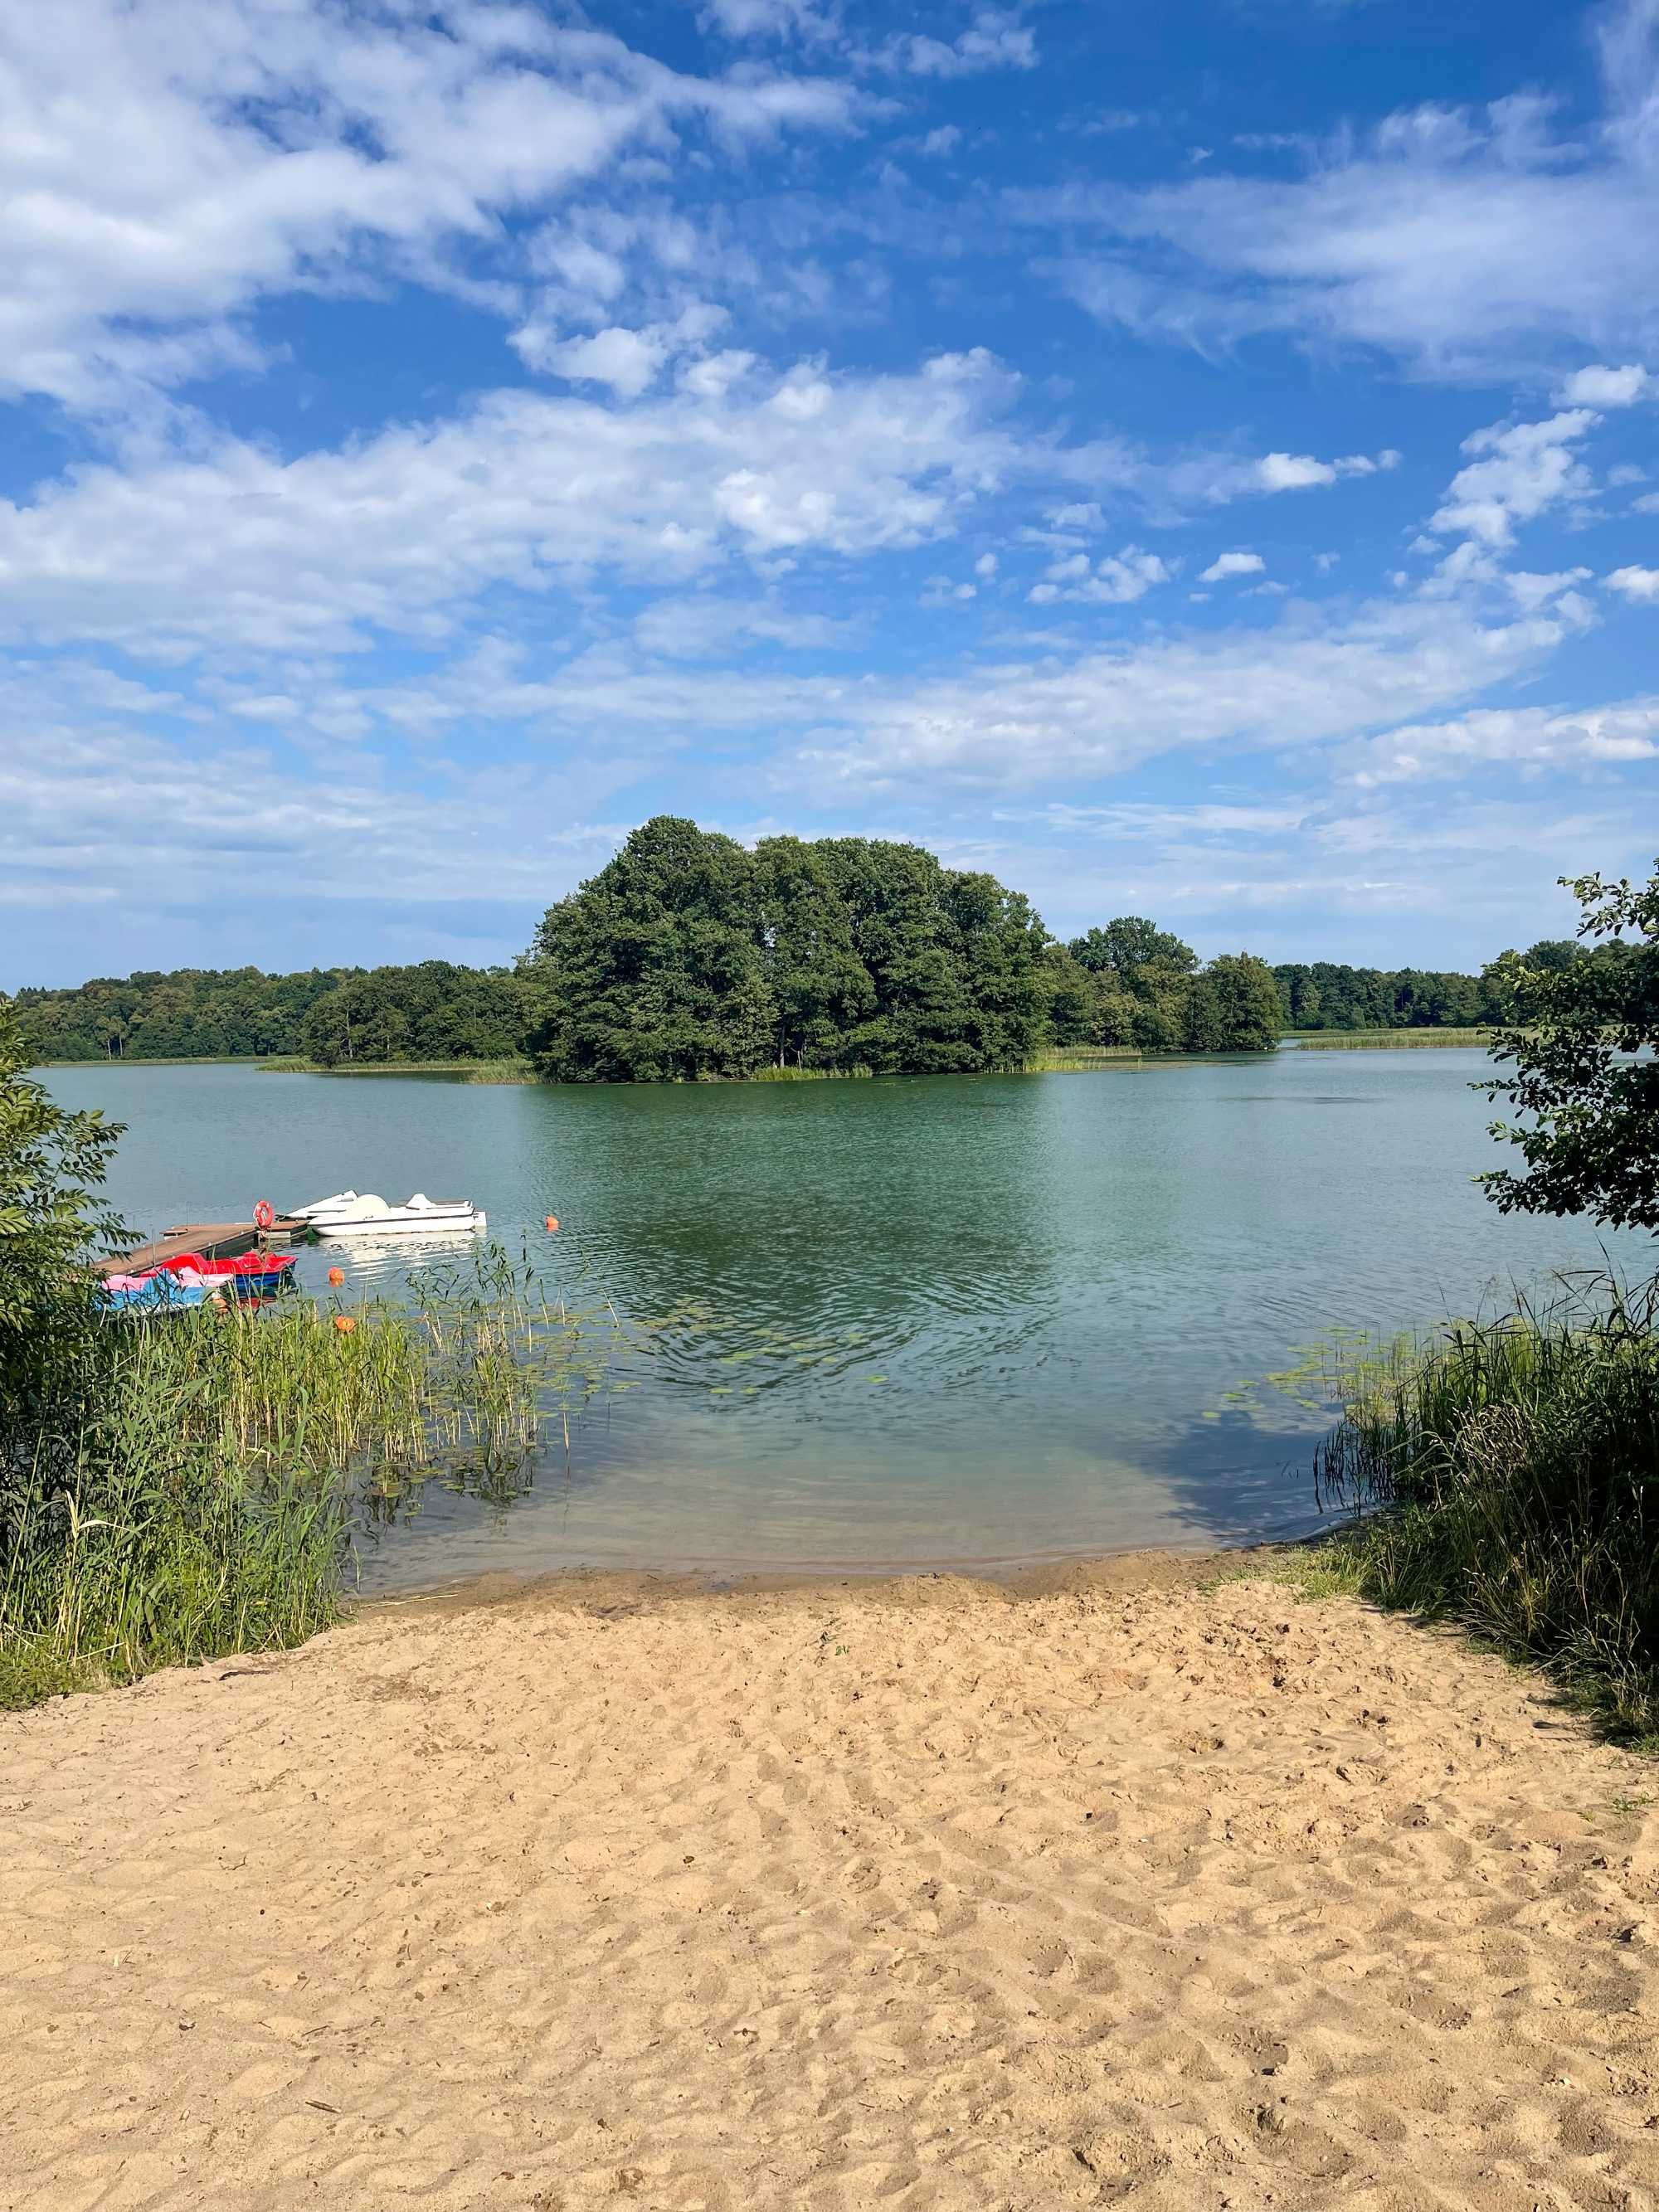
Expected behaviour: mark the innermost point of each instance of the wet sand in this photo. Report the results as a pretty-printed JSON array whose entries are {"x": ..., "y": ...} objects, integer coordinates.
[{"x": 1129, "y": 1883}]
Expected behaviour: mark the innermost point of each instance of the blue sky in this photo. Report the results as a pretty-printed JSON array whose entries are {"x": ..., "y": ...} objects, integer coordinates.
[{"x": 1196, "y": 460}]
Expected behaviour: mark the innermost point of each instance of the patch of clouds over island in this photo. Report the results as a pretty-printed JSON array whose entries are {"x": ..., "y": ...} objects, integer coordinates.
[{"x": 443, "y": 437}]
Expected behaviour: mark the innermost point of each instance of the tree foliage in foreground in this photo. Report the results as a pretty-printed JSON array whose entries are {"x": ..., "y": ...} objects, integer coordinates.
[
  {"x": 690, "y": 958},
  {"x": 1585, "y": 1073},
  {"x": 51, "y": 1164},
  {"x": 52, "y": 1215}
]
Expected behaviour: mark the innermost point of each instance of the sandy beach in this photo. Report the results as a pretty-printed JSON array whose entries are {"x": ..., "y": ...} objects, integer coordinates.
[{"x": 1146, "y": 1886}]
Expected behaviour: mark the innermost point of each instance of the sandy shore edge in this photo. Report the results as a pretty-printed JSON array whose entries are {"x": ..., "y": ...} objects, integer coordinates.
[{"x": 1139, "y": 1879}]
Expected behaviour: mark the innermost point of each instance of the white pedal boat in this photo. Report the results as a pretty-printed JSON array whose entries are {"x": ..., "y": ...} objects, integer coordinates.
[
  {"x": 348, "y": 1215},
  {"x": 335, "y": 1205}
]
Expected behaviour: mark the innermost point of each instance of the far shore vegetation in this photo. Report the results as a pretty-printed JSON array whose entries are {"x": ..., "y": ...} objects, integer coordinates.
[
  {"x": 690, "y": 957},
  {"x": 189, "y": 1484}
]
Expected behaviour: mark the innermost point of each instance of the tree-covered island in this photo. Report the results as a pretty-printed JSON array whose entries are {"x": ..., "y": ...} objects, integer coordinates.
[{"x": 691, "y": 957}]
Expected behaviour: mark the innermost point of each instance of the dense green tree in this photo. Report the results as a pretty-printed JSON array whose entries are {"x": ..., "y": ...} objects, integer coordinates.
[
  {"x": 1068, "y": 997},
  {"x": 433, "y": 1011},
  {"x": 687, "y": 957},
  {"x": 1584, "y": 1073},
  {"x": 1233, "y": 1005},
  {"x": 820, "y": 988},
  {"x": 654, "y": 970},
  {"x": 1131, "y": 944},
  {"x": 1551, "y": 954}
]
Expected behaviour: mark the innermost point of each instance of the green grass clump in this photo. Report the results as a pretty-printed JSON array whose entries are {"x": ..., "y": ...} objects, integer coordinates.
[
  {"x": 1074, "y": 1059},
  {"x": 1389, "y": 1040},
  {"x": 1505, "y": 1475},
  {"x": 510, "y": 1070},
  {"x": 806, "y": 1075}
]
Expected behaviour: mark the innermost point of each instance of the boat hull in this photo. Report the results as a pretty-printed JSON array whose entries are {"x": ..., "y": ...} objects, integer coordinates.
[{"x": 397, "y": 1222}]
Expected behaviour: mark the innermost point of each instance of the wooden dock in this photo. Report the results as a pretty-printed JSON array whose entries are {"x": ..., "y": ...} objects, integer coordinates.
[{"x": 214, "y": 1240}]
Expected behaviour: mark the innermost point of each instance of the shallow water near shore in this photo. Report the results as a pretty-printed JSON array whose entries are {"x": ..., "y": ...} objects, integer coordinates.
[{"x": 950, "y": 1320}]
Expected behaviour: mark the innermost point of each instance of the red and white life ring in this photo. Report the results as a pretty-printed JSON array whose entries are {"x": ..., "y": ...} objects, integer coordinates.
[{"x": 263, "y": 1214}]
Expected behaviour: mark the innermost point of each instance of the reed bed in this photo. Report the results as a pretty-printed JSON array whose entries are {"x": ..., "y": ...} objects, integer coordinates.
[
  {"x": 1505, "y": 1475},
  {"x": 197, "y": 1484},
  {"x": 509, "y": 1070},
  {"x": 1076, "y": 1058},
  {"x": 808, "y": 1074},
  {"x": 1391, "y": 1040}
]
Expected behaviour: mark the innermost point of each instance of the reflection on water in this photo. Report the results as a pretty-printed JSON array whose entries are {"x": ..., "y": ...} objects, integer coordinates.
[{"x": 900, "y": 1322}]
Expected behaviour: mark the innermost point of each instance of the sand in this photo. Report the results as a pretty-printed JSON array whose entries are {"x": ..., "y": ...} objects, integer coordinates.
[{"x": 914, "y": 1896}]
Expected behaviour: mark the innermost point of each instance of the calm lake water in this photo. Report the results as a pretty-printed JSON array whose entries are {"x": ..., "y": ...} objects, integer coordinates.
[{"x": 939, "y": 1321}]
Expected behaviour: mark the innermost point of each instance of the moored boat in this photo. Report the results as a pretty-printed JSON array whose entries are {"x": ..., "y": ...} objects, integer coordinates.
[
  {"x": 156, "y": 1292},
  {"x": 250, "y": 1275},
  {"x": 351, "y": 1214},
  {"x": 341, "y": 1198}
]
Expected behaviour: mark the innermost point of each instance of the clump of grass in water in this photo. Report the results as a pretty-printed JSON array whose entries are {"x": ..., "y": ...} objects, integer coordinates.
[
  {"x": 1390, "y": 1040},
  {"x": 810, "y": 1074},
  {"x": 196, "y": 1491},
  {"x": 1505, "y": 1475}
]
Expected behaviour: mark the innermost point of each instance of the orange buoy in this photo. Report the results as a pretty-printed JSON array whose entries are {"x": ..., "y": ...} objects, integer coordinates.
[
  {"x": 337, "y": 1276},
  {"x": 552, "y": 1223},
  {"x": 344, "y": 1323},
  {"x": 263, "y": 1214}
]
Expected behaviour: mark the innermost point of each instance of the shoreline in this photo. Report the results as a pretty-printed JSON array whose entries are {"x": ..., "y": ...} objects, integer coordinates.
[{"x": 1141, "y": 1567}]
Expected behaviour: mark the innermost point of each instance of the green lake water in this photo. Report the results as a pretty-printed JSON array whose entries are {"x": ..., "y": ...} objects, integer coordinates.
[{"x": 952, "y": 1320}]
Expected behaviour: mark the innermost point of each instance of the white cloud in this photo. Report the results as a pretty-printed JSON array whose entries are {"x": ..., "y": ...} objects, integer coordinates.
[
  {"x": 1303, "y": 681},
  {"x": 1636, "y": 584},
  {"x": 628, "y": 361},
  {"x": 1216, "y": 479},
  {"x": 124, "y": 811},
  {"x": 236, "y": 547},
  {"x": 163, "y": 163},
  {"x": 1300, "y": 471},
  {"x": 1530, "y": 590},
  {"x": 1115, "y": 581},
  {"x": 1529, "y": 737},
  {"x": 696, "y": 628},
  {"x": 1519, "y": 472},
  {"x": 1233, "y": 565},
  {"x": 1606, "y": 387},
  {"x": 1455, "y": 238},
  {"x": 995, "y": 39},
  {"x": 768, "y": 19}
]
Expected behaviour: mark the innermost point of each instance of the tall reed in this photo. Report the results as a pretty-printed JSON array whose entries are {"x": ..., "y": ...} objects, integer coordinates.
[
  {"x": 1507, "y": 1473},
  {"x": 1390, "y": 1040},
  {"x": 194, "y": 1485}
]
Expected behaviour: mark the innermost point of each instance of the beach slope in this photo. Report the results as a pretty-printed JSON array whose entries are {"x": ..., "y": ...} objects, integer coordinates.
[{"x": 920, "y": 1894}]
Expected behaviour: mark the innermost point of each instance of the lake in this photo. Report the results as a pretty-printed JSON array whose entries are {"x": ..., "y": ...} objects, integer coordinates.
[{"x": 941, "y": 1320}]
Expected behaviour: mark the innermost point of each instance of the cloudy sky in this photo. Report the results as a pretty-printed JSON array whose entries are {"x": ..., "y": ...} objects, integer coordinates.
[{"x": 1196, "y": 458}]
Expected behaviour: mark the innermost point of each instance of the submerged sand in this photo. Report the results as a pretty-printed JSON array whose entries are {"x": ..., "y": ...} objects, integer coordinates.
[{"x": 917, "y": 1895}]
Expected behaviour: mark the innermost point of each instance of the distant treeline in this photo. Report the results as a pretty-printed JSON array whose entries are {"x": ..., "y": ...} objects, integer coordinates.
[
  {"x": 1320, "y": 994},
  {"x": 433, "y": 1010},
  {"x": 691, "y": 955}
]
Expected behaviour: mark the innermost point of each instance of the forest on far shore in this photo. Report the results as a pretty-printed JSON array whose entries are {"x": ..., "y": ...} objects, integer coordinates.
[{"x": 689, "y": 955}]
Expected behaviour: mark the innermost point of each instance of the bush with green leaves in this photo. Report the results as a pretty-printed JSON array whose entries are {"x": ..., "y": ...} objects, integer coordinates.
[{"x": 1585, "y": 1070}]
